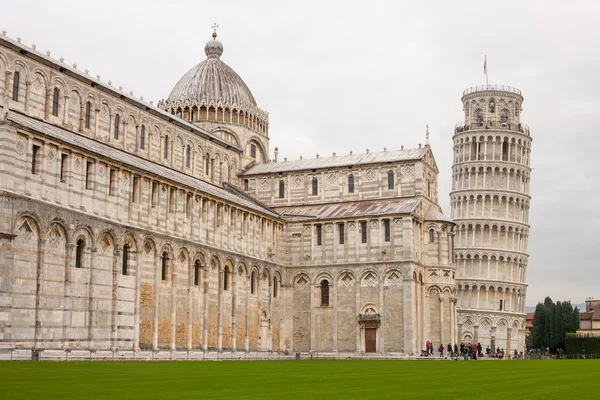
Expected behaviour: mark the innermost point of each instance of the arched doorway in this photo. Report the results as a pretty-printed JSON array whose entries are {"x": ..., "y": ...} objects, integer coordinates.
[
  {"x": 264, "y": 331},
  {"x": 369, "y": 320}
]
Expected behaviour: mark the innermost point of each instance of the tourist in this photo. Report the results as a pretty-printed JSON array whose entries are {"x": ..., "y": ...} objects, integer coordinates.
[
  {"x": 488, "y": 351},
  {"x": 479, "y": 349},
  {"x": 449, "y": 349},
  {"x": 455, "y": 348},
  {"x": 441, "y": 350},
  {"x": 462, "y": 348}
]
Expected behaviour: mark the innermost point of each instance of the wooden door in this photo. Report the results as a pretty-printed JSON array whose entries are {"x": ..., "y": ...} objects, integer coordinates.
[{"x": 370, "y": 340}]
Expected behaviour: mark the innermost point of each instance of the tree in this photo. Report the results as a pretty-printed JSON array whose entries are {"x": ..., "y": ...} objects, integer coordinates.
[
  {"x": 549, "y": 332},
  {"x": 559, "y": 327},
  {"x": 551, "y": 322},
  {"x": 568, "y": 317},
  {"x": 539, "y": 322}
]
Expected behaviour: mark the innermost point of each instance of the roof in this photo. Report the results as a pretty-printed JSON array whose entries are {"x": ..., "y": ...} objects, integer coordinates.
[
  {"x": 529, "y": 320},
  {"x": 338, "y": 161},
  {"x": 364, "y": 208},
  {"x": 436, "y": 215},
  {"x": 590, "y": 315},
  {"x": 212, "y": 81},
  {"x": 132, "y": 161},
  {"x": 107, "y": 87}
]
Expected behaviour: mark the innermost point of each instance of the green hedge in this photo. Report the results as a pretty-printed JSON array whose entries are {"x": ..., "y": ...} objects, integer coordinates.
[{"x": 581, "y": 343}]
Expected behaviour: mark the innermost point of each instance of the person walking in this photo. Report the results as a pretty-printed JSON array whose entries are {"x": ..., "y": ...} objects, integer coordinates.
[
  {"x": 479, "y": 349},
  {"x": 456, "y": 349},
  {"x": 441, "y": 350}
]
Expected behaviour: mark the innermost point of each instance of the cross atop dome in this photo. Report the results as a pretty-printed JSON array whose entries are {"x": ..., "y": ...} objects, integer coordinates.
[{"x": 214, "y": 27}]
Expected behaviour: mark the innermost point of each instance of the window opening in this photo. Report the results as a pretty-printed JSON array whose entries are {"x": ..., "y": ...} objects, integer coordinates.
[
  {"x": 363, "y": 228},
  {"x": 116, "y": 127},
  {"x": 55, "y": 95},
  {"x": 79, "y": 253},
  {"x": 16, "y": 81},
  {"x": 324, "y": 292}
]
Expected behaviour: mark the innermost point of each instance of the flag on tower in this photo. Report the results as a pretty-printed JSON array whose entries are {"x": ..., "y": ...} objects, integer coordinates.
[
  {"x": 485, "y": 65},
  {"x": 485, "y": 69}
]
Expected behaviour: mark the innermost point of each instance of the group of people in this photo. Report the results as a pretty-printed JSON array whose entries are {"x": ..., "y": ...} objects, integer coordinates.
[{"x": 468, "y": 351}]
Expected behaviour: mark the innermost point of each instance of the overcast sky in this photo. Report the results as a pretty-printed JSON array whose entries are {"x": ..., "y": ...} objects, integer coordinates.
[{"x": 351, "y": 75}]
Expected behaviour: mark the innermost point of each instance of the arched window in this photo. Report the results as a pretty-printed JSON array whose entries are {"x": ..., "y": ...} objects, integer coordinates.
[
  {"x": 275, "y": 286},
  {"x": 281, "y": 189},
  {"x": 16, "y": 81},
  {"x": 431, "y": 236},
  {"x": 166, "y": 147},
  {"x": 315, "y": 186},
  {"x": 207, "y": 164},
  {"x": 252, "y": 150},
  {"x": 165, "y": 260},
  {"x": 55, "y": 95},
  {"x": 88, "y": 115},
  {"x": 390, "y": 179},
  {"x": 253, "y": 282},
  {"x": 188, "y": 156},
  {"x": 142, "y": 137},
  {"x": 197, "y": 273},
  {"x": 226, "y": 278},
  {"x": 350, "y": 183},
  {"x": 116, "y": 127},
  {"x": 125, "y": 258},
  {"x": 324, "y": 292},
  {"x": 505, "y": 150},
  {"x": 79, "y": 253}
]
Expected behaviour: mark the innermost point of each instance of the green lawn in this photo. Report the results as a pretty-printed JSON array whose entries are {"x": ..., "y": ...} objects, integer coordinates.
[{"x": 565, "y": 379}]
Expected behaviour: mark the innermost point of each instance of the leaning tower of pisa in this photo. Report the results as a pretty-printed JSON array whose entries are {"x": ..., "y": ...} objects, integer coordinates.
[{"x": 490, "y": 205}]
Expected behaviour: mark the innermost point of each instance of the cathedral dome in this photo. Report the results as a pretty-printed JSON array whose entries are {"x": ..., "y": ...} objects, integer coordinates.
[{"x": 212, "y": 81}]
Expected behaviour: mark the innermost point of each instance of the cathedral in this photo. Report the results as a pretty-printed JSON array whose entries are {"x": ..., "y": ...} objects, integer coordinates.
[{"x": 129, "y": 225}]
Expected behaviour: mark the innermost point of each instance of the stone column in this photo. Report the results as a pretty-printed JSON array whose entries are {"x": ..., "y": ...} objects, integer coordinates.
[
  {"x": 357, "y": 297},
  {"x": 81, "y": 116},
  {"x": 409, "y": 316},
  {"x": 220, "y": 271},
  {"x": 66, "y": 109},
  {"x": 190, "y": 304},
  {"x": 476, "y": 334},
  {"x": 67, "y": 293},
  {"x": 91, "y": 284},
  {"x": 508, "y": 340},
  {"x": 233, "y": 308},
  {"x": 27, "y": 91},
  {"x": 96, "y": 121},
  {"x": 138, "y": 279},
  {"x": 442, "y": 336},
  {"x": 439, "y": 247},
  {"x": 426, "y": 320},
  {"x": 7, "y": 79},
  {"x": 157, "y": 279},
  {"x": 205, "y": 287},
  {"x": 115, "y": 285},
  {"x": 335, "y": 307},
  {"x": 47, "y": 105},
  {"x": 247, "y": 328}
]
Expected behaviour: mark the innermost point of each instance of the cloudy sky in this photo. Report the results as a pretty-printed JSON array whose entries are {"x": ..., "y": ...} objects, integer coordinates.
[{"x": 351, "y": 75}]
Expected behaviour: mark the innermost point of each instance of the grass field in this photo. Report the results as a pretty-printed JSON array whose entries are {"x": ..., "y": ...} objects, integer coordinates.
[{"x": 573, "y": 380}]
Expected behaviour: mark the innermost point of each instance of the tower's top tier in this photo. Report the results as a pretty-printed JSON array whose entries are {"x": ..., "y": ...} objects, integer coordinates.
[
  {"x": 492, "y": 107},
  {"x": 498, "y": 88}
]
